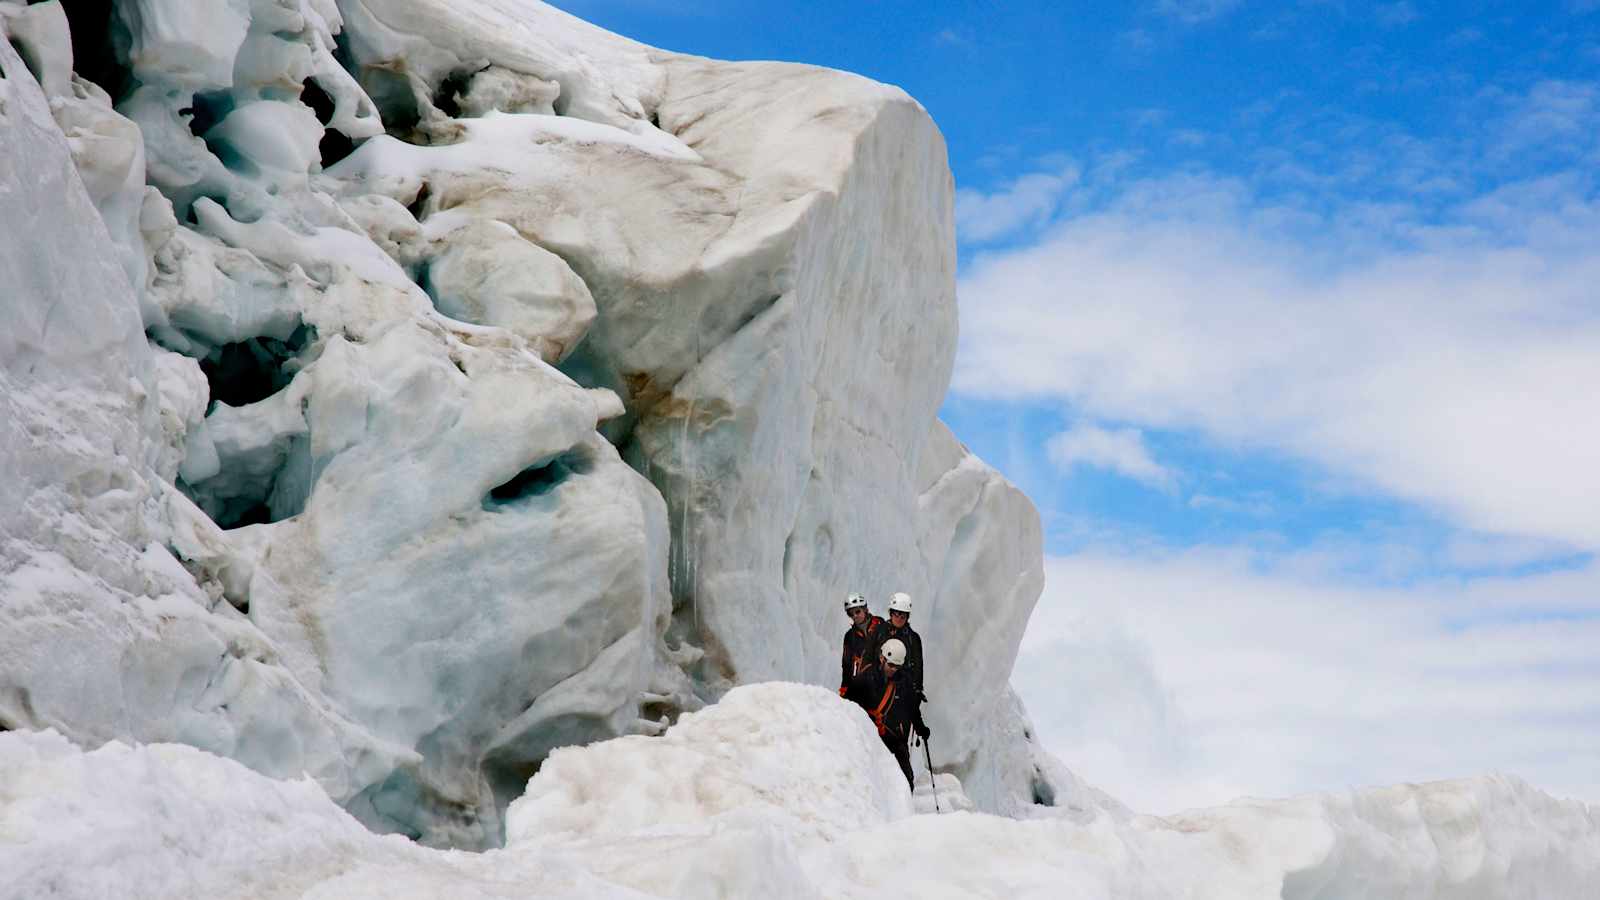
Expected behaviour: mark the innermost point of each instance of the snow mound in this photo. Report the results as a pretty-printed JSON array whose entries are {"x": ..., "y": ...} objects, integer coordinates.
[
  {"x": 780, "y": 791},
  {"x": 1473, "y": 839},
  {"x": 944, "y": 794},
  {"x": 165, "y": 820},
  {"x": 793, "y": 751}
]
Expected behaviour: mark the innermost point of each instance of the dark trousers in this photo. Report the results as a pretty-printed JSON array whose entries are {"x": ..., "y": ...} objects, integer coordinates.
[{"x": 902, "y": 755}]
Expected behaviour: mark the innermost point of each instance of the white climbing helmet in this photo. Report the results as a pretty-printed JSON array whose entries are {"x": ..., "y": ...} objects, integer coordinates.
[
  {"x": 893, "y": 652},
  {"x": 900, "y": 602},
  {"x": 854, "y": 601}
]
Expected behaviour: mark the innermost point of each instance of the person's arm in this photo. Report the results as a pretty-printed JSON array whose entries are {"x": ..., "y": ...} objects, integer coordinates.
[
  {"x": 871, "y": 643},
  {"x": 915, "y": 658},
  {"x": 860, "y": 687},
  {"x": 844, "y": 666}
]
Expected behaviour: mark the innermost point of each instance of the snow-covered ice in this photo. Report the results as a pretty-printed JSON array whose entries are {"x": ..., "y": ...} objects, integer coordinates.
[
  {"x": 367, "y": 542},
  {"x": 369, "y": 228},
  {"x": 779, "y": 791}
]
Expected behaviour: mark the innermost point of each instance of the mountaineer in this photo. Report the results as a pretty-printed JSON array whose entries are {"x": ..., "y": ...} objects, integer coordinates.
[
  {"x": 899, "y": 628},
  {"x": 860, "y": 640},
  {"x": 884, "y": 692}
]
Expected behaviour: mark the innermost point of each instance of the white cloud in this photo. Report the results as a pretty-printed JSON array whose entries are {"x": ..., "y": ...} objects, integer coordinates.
[
  {"x": 1553, "y": 115},
  {"x": 1458, "y": 371},
  {"x": 1030, "y": 200},
  {"x": 1254, "y": 504},
  {"x": 1491, "y": 552},
  {"x": 1121, "y": 451},
  {"x": 1250, "y": 678},
  {"x": 1149, "y": 117},
  {"x": 1193, "y": 12}
]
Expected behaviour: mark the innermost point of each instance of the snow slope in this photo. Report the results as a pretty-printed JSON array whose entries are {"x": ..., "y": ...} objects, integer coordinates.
[{"x": 778, "y": 791}]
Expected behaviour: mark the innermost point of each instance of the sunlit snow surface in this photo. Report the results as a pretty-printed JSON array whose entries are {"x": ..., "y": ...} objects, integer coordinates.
[{"x": 779, "y": 791}]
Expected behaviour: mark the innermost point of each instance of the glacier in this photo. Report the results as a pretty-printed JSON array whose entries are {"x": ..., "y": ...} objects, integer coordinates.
[
  {"x": 484, "y": 383},
  {"x": 442, "y": 426}
]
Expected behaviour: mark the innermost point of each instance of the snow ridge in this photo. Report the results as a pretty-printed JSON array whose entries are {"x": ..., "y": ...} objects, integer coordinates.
[{"x": 780, "y": 791}]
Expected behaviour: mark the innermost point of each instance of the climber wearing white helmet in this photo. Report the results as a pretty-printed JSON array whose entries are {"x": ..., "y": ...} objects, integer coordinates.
[
  {"x": 882, "y": 690},
  {"x": 899, "y": 628},
  {"x": 860, "y": 640}
]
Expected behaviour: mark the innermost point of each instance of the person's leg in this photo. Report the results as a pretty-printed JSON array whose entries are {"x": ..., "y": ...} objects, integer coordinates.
[{"x": 902, "y": 755}]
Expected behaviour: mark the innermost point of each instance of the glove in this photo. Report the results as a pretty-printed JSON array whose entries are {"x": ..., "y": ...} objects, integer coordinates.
[
  {"x": 842, "y": 690},
  {"x": 922, "y": 730}
]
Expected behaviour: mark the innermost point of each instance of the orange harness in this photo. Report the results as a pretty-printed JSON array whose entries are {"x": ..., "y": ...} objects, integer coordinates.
[
  {"x": 855, "y": 664},
  {"x": 883, "y": 706}
]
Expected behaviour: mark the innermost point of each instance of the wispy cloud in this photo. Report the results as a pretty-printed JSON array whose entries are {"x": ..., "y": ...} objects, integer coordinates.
[
  {"x": 1193, "y": 12},
  {"x": 1255, "y": 505},
  {"x": 1552, "y": 117},
  {"x": 1415, "y": 318},
  {"x": 1439, "y": 347},
  {"x": 1030, "y": 200},
  {"x": 1120, "y": 450},
  {"x": 1137, "y": 40},
  {"x": 689, "y": 8},
  {"x": 1149, "y": 117},
  {"x": 1396, "y": 15},
  {"x": 1498, "y": 553},
  {"x": 1186, "y": 679}
]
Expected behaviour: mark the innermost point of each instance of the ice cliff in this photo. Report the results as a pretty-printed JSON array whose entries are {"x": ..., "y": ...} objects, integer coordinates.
[{"x": 398, "y": 390}]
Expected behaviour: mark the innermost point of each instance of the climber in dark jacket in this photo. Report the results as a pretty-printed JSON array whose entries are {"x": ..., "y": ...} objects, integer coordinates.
[
  {"x": 860, "y": 641},
  {"x": 882, "y": 690},
  {"x": 899, "y": 628}
]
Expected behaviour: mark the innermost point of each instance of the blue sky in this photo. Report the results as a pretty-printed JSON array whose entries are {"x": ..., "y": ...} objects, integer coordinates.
[{"x": 1285, "y": 315}]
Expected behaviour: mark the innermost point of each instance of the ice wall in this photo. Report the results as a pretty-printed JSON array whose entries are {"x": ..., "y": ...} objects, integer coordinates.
[
  {"x": 106, "y": 633},
  {"x": 311, "y": 523},
  {"x": 355, "y": 519},
  {"x": 771, "y": 251}
]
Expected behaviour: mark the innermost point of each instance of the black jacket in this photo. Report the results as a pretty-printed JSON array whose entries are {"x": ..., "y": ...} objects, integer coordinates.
[
  {"x": 860, "y": 650},
  {"x": 890, "y": 702},
  {"x": 912, "y": 671}
]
